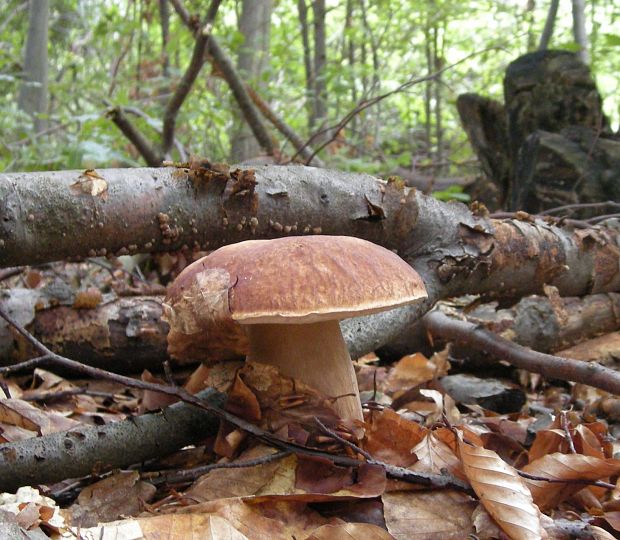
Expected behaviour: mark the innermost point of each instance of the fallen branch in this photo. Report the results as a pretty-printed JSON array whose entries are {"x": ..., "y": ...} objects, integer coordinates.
[
  {"x": 544, "y": 323},
  {"x": 85, "y": 449},
  {"x": 590, "y": 373},
  {"x": 203, "y": 36}
]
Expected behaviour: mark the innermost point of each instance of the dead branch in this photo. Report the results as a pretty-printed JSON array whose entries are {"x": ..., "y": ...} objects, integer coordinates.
[
  {"x": 134, "y": 136},
  {"x": 235, "y": 82},
  {"x": 305, "y": 151},
  {"x": 567, "y": 369},
  {"x": 126, "y": 335},
  {"x": 84, "y": 450},
  {"x": 203, "y": 36},
  {"x": 544, "y": 323},
  {"x": 238, "y": 89}
]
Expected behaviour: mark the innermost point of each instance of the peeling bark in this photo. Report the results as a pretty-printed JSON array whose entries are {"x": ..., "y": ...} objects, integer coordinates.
[
  {"x": 545, "y": 324},
  {"x": 53, "y": 215},
  {"x": 126, "y": 335}
]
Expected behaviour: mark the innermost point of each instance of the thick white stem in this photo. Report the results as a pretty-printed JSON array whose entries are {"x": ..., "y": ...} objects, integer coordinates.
[{"x": 315, "y": 354}]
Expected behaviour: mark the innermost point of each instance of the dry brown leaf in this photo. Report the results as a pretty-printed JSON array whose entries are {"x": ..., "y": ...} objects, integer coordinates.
[
  {"x": 430, "y": 515},
  {"x": 121, "y": 494},
  {"x": 9, "y": 433},
  {"x": 548, "y": 441},
  {"x": 290, "y": 477},
  {"x": 171, "y": 527},
  {"x": 391, "y": 438},
  {"x": 486, "y": 527},
  {"x": 613, "y": 518},
  {"x": 152, "y": 401},
  {"x": 238, "y": 482},
  {"x": 435, "y": 456},
  {"x": 411, "y": 370},
  {"x": 257, "y": 520},
  {"x": 601, "y": 534},
  {"x": 350, "y": 531},
  {"x": 587, "y": 443},
  {"x": 565, "y": 467},
  {"x": 197, "y": 381},
  {"x": 502, "y": 492},
  {"x": 22, "y": 414}
]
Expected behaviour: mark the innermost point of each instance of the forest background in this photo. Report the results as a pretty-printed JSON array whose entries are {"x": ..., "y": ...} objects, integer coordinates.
[{"x": 312, "y": 62}]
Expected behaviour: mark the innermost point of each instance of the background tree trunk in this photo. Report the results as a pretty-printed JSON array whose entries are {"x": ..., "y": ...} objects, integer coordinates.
[
  {"x": 547, "y": 33},
  {"x": 252, "y": 61},
  {"x": 579, "y": 30},
  {"x": 33, "y": 91},
  {"x": 320, "y": 57}
]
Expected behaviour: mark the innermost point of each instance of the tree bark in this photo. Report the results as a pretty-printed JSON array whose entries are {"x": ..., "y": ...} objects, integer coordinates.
[
  {"x": 579, "y": 30},
  {"x": 126, "y": 335},
  {"x": 75, "y": 453},
  {"x": 33, "y": 90},
  {"x": 252, "y": 61},
  {"x": 320, "y": 76},
  {"x": 302, "y": 9},
  {"x": 237, "y": 87},
  {"x": 547, "y": 33},
  {"x": 570, "y": 167},
  {"x": 164, "y": 21},
  {"x": 484, "y": 121},
  {"x": 53, "y": 215},
  {"x": 184, "y": 86}
]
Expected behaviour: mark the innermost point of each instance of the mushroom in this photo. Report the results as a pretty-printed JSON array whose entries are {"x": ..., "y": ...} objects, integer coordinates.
[{"x": 289, "y": 295}]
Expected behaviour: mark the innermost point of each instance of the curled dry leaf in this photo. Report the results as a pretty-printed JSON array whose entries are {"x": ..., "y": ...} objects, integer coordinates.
[
  {"x": 17, "y": 412},
  {"x": 211, "y": 527},
  {"x": 428, "y": 515},
  {"x": 502, "y": 492},
  {"x": 271, "y": 519},
  {"x": 435, "y": 456},
  {"x": 567, "y": 467},
  {"x": 411, "y": 370}
]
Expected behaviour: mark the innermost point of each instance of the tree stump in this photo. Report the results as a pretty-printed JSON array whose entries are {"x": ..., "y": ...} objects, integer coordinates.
[{"x": 550, "y": 143}]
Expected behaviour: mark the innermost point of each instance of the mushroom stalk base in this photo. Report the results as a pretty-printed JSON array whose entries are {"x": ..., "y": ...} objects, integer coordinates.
[{"x": 313, "y": 353}]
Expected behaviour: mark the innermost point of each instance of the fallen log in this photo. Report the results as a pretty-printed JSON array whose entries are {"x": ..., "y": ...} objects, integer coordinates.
[{"x": 70, "y": 214}]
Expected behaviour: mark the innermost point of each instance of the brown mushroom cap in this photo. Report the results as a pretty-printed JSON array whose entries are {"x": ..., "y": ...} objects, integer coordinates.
[{"x": 287, "y": 280}]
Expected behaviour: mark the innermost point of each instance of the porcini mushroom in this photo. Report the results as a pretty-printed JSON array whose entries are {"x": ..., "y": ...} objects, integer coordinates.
[{"x": 289, "y": 294}]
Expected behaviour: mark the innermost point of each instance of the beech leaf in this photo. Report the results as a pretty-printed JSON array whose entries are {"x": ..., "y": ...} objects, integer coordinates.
[
  {"x": 567, "y": 467},
  {"x": 502, "y": 492}
]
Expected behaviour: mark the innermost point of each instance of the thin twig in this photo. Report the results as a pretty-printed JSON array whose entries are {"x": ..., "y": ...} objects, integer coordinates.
[
  {"x": 188, "y": 475},
  {"x": 567, "y": 369},
  {"x": 579, "y": 206},
  {"x": 336, "y": 128},
  {"x": 343, "y": 441},
  {"x": 597, "y": 483},
  {"x": 57, "y": 396}
]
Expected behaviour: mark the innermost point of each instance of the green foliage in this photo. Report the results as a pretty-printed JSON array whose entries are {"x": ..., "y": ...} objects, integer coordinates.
[
  {"x": 109, "y": 52},
  {"x": 453, "y": 193}
]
